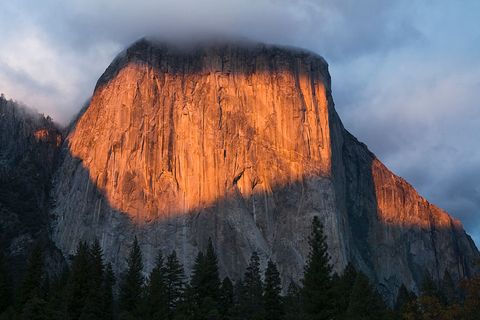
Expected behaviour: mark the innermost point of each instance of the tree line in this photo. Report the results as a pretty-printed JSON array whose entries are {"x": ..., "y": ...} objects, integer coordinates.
[{"x": 89, "y": 289}]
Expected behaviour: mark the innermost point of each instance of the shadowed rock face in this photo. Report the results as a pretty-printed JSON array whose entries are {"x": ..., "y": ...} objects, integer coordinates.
[
  {"x": 240, "y": 143},
  {"x": 28, "y": 146}
]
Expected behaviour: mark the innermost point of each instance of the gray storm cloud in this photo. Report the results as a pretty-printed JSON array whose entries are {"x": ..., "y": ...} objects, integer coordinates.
[{"x": 406, "y": 75}]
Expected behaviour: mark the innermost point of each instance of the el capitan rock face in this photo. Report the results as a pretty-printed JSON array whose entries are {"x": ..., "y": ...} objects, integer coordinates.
[
  {"x": 175, "y": 133},
  {"x": 240, "y": 143}
]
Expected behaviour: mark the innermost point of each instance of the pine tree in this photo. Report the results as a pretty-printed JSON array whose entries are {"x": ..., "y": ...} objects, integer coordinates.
[
  {"x": 132, "y": 285},
  {"x": 107, "y": 290},
  {"x": 271, "y": 294},
  {"x": 211, "y": 278},
  {"x": 194, "y": 293},
  {"x": 343, "y": 287},
  {"x": 78, "y": 286},
  {"x": 365, "y": 303},
  {"x": 293, "y": 303},
  {"x": 204, "y": 288},
  {"x": 5, "y": 296},
  {"x": 251, "y": 302},
  {"x": 318, "y": 295},
  {"x": 94, "y": 304},
  {"x": 226, "y": 299},
  {"x": 36, "y": 308},
  {"x": 156, "y": 304},
  {"x": 175, "y": 279},
  {"x": 238, "y": 300},
  {"x": 57, "y": 295},
  {"x": 31, "y": 285},
  {"x": 97, "y": 265}
]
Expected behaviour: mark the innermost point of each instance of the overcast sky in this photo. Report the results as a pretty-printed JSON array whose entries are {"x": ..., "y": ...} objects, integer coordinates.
[{"x": 406, "y": 74}]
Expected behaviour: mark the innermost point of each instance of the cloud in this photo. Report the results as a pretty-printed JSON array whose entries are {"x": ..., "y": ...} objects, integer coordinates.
[
  {"x": 40, "y": 71},
  {"x": 405, "y": 74},
  {"x": 416, "y": 107},
  {"x": 57, "y": 49}
]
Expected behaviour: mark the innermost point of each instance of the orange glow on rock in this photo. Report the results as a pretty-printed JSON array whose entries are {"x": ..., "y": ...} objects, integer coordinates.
[
  {"x": 400, "y": 205},
  {"x": 48, "y": 136},
  {"x": 158, "y": 144}
]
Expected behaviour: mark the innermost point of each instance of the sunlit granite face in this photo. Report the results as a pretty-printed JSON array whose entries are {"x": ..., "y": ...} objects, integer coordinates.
[{"x": 160, "y": 143}]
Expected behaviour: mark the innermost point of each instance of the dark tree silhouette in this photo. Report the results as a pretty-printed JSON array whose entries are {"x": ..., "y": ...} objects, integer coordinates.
[
  {"x": 251, "y": 300},
  {"x": 5, "y": 293},
  {"x": 365, "y": 303},
  {"x": 156, "y": 291},
  {"x": 78, "y": 286},
  {"x": 293, "y": 302},
  {"x": 204, "y": 290},
  {"x": 318, "y": 294},
  {"x": 226, "y": 299},
  {"x": 94, "y": 303},
  {"x": 271, "y": 293},
  {"x": 107, "y": 292},
  {"x": 175, "y": 278},
  {"x": 343, "y": 287},
  {"x": 31, "y": 286},
  {"x": 132, "y": 285}
]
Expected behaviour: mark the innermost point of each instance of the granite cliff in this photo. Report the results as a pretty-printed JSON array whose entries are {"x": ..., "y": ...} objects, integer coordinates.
[
  {"x": 28, "y": 147},
  {"x": 240, "y": 143}
]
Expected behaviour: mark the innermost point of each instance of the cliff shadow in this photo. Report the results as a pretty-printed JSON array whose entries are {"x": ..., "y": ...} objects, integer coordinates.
[{"x": 400, "y": 237}]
